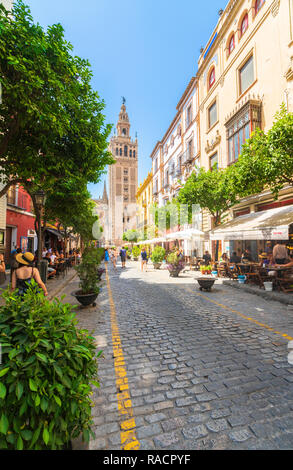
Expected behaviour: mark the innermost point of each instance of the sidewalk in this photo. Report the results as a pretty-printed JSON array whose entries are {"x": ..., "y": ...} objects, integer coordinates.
[{"x": 54, "y": 286}]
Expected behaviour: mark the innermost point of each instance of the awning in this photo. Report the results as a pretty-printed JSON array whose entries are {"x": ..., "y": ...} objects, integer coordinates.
[
  {"x": 54, "y": 232},
  {"x": 272, "y": 224},
  {"x": 185, "y": 234},
  {"x": 151, "y": 242}
]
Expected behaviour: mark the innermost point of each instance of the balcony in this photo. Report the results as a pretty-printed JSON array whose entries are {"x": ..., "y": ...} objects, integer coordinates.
[
  {"x": 178, "y": 171},
  {"x": 171, "y": 169},
  {"x": 166, "y": 183},
  {"x": 188, "y": 156},
  {"x": 155, "y": 191}
]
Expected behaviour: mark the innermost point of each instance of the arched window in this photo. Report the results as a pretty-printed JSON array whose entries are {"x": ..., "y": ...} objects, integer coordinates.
[
  {"x": 120, "y": 152},
  {"x": 212, "y": 77},
  {"x": 117, "y": 151},
  {"x": 130, "y": 153},
  {"x": 125, "y": 150},
  {"x": 244, "y": 25},
  {"x": 133, "y": 153},
  {"x": 231, "y": 45},
  {"x": 257, "y": 6}
]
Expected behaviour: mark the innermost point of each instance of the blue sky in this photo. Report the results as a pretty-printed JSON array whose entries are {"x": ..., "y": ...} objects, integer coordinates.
[{"x": 145, "y": 50}]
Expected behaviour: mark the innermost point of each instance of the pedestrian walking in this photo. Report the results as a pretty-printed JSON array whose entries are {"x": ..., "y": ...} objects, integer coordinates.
[
  {"x": 144, "y": 259},
  {"x": 22, "y": 276},
  {"x": 107, "y": 256},
  {"x": 114, "y": 257},
  {"x": 123, "y": 256}
]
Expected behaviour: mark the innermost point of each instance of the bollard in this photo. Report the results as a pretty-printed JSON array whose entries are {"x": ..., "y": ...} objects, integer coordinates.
[{"x": 44, "y": 270}]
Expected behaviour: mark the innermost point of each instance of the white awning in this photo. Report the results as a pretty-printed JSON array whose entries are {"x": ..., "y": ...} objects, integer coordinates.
[
  {"x": 185, "y": 234},
  {"x": 272, "y": 224}
]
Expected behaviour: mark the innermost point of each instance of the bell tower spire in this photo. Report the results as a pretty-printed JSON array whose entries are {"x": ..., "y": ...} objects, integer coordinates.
[{"x": 123, "y": 124}]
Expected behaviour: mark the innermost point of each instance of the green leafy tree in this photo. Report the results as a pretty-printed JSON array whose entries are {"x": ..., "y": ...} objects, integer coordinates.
[{"x": 266, "y": 160}]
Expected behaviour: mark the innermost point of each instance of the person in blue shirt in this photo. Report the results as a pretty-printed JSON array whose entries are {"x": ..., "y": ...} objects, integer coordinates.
[
  {"x": 107, "y": 257},
  {"x": 123, "y": 256},
  {"x": 144, "y": 259}
]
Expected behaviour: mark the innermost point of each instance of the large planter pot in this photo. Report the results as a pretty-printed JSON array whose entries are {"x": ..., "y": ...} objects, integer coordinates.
[
  {"x": 135, "y": 259},
  {"x": 206, "y": 283},
  {"x": 157, "y": 265},
  {"x": 85, "y": 299},
  {"x": 174, "y": 272}
]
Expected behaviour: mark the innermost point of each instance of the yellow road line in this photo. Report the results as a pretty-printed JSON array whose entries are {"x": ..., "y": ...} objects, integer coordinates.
[
  {"x": 127, "y": 422},
  {"x": 289, "y": 338}
]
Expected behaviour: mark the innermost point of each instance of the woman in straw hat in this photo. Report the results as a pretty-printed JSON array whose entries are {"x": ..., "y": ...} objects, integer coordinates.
[{"x": 23, "y": 275}]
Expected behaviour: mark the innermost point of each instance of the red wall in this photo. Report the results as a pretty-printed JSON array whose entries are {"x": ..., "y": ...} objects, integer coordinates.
[{"x": 22, "y": 221}]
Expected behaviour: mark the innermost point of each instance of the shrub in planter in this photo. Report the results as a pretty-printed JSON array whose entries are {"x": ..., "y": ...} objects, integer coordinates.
[
  {"x": 88, "y": 271},
  {"x": 135, "y": 252},
  {"x": 205, "y": 269},
  {"x": 158, "y": 256},
  {"x": 48, "y": 367},
  {"x": 175, "y": 264}
]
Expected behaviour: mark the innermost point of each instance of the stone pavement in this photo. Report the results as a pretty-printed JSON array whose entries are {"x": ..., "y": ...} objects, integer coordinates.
[{"x": 204, "y": 370}]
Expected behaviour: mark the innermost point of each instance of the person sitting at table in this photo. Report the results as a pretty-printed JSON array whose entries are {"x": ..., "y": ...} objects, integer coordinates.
[
  {"x": 207, "y": 258},
  {"x": 247, "y": 256},
  {"x": 224, "y": 259},
  {"x": 51, "y": 270},
  {"x": 234, "y": 258},
  {"x": 280, "y": 253}
]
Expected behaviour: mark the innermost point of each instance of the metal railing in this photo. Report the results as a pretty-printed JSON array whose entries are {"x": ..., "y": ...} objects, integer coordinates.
[{"x": 188, "y": 155}]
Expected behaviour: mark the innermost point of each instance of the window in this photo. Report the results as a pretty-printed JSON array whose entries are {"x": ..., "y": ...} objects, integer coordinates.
[
  {"x": 188, "y": 116},
  {"x": 231, "y": 46},
  {"x": 212, "y": 114},
  {"x": 130, "y": 153},
  {"x": 258, "y": 5},
  {"x": 125, "y": 171},
  {"x": 156, "y": 165},
  {"x": 120, "y": 151},
  {"x": 125, "y": 151},
  {"x": 212, "y": 77},
  {"x": 244, "y": 25},
  {"x": 117, "y": 151},
  {"x": 238, "y": 132},
  {"x": 125, "y": 179},
  {"x": 246, "y": 75},
  {"x": 124, "y": 131},
  {"x": 214, "y": 161},
  {"x": 133, "y": 153}
]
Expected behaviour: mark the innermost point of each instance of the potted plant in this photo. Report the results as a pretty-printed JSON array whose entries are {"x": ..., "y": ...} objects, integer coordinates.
[
  {"x": 158, "y": 256},
  {"x": 175, "y": 264},
  {"x": 48, "y": 369},
  {"x": 135, "y": 252},
  {"x": 89, "y": 279},
  {"x": 205, "y": 269}
]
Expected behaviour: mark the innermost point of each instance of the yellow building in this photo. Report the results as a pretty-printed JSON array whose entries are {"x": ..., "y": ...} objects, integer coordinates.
[
  {"x": 244, "y": 74},
  {"x": 144, "y": 200}
]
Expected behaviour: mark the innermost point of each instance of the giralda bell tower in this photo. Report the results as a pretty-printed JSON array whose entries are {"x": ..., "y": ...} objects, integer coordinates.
[{"x": 122, "y": 179}]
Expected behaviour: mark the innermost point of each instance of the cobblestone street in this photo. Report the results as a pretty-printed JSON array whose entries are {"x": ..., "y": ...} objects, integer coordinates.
[{"x": 204, "y": 370}]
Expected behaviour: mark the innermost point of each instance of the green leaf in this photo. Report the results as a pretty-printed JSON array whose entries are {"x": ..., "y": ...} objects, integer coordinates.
[
  {"x": 33, "y": 385},
  {"x": 19, "y": 444},
  {"x": 19, "y": 390},
  {"x": 4, "y": 424},
  {"x": 37, "y": 400},
  {"x": 42, "y": 357},
  {"x": 58, "y": 401},
  {"x": 2, "y": 390},
  {"x": 26, "y": 434},
  {"x": 46, "y": 436},
  {"x": 44, "y": 404},
  {"x": 4, "y": 371}
]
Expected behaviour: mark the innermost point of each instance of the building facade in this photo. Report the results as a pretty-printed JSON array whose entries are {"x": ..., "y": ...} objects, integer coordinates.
[
  {"x": 244, "y": 74},
  {"x": 102, "y": 211},
  {"x": 123, "y": 179},
  {"x": 20, "y": 222},
  {"x": 144, "y": 199},
  {"x": 174, "y": 157}
]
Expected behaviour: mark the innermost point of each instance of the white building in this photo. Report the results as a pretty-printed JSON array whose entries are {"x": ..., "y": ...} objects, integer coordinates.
[{"x": 174, "y": 158}]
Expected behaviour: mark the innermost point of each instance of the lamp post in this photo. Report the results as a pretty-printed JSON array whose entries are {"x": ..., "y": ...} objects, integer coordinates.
[{"x": 40, "y": 199}]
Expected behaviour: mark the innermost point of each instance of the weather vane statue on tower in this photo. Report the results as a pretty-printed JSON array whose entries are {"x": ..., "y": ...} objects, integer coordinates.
[{"x": 123, "y": 100}]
